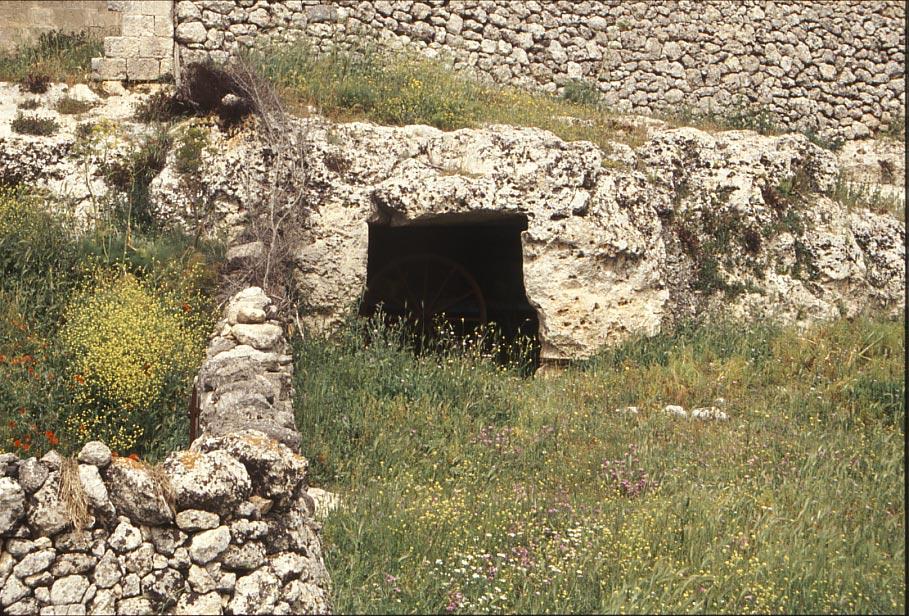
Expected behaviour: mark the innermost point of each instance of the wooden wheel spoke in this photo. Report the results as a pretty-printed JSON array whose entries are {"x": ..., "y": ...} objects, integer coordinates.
[
  {"x": 421, "y": 287},
  {"x": 452, "y": 301},
  {"x": 448, "y": 276}
]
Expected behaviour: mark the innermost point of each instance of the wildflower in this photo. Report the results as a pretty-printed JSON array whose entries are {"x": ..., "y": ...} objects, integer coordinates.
[{"x": 79, "y": 379}]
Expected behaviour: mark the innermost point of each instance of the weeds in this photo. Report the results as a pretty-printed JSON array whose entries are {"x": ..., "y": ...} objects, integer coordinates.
[
  {"x": 470, "y": 489},
  {"x": 871, "y": 197},
  {"x": 30, "y": 104},
  {"x": 71, "y": 106},
  {"x": 581, "y": 92},
  {"x": 403, "y": 88},
  {"x": 34, "y": 125},
  {"x": 55, "y": 56},
  {"x": 133, "y": 176}
]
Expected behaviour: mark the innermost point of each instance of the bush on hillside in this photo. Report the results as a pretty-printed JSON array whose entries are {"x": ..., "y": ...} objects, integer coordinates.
[{"x": 133, "y": 352}]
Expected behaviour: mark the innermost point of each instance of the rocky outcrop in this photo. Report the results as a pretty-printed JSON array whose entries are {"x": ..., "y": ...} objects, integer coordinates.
[
  {"x": 238, "y": 538},
  {"x": 75, "y": 161},
  {"x": 835, "y": 68},
  {"x": 690, "y": 224}
]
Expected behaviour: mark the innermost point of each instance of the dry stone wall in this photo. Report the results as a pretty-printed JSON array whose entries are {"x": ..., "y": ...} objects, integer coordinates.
[
  {"x": 227, "y": 527},
  {"x": 831, "y": 67}
]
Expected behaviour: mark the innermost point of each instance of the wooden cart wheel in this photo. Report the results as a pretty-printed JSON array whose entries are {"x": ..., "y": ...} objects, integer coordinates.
[{"x": 425, "y": 287}]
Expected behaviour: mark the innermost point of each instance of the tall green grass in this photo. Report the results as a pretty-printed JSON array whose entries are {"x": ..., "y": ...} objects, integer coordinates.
[
  {"x": 468, "y": 488},
  {"x": 406, "y": 88},
  {"x": 57, "y": 55}
]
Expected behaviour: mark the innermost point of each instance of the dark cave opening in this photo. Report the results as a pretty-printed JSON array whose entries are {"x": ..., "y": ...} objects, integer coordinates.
[{"x": 456, "y": 274}]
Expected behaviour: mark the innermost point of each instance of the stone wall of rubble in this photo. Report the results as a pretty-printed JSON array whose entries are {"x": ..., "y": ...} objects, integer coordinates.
[
  {"x": 831, "y": 67},
  {"x": 226, "y": 527}
]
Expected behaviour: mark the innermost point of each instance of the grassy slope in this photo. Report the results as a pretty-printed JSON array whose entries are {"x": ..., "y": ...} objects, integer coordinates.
[{"x": 471, "y": 489}]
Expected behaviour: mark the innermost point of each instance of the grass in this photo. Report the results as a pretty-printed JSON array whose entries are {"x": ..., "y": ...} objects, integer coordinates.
[
  {"x": 871, "y": 197},
  {"x": 55, "y": 56},
  {"x": 470, "y": 489},
  {"x": 402, "y": 88}
]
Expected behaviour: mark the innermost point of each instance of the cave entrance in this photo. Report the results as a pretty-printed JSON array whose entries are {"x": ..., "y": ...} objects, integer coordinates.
[{"x": 455, "y": 276}]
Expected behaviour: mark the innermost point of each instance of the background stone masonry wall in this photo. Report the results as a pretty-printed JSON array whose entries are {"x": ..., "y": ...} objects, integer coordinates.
[
  {"x": 144, "y": 51},
  {"x": 225, "y": 527},
  {"x": 831, "y": 67}
]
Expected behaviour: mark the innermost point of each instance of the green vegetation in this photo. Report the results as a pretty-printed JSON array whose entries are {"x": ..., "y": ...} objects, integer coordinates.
[
  {"x": 71, "y": 106},
  {"x": 33, "y": 125},
  {"x": 55, "y": 56},
  {"x": 101, "y": 332},
  {"x": 872, "y": 197},
  {"x": 402, "y": 88},
  {"x": 470, "y": 489}
]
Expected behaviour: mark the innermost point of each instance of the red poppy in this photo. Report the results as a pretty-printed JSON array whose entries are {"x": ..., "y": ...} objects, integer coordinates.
[
  {"x": 17, "y": 443},
  {"x": 26, "y": 447},
  {"x": 134, "y": 457},
  {"x": 79, "y": 379},
  {"x": 186, "y": 307},
  {"x": 11, "y": 424}
]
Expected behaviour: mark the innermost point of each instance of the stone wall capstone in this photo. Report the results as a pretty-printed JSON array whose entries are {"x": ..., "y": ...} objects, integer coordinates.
[{"x": 834, "y": 68}]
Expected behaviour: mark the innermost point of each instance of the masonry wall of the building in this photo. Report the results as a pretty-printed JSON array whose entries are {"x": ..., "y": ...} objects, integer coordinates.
[
  {"x": 831, "y": 67},
  {"x": 23, "y": 21}
]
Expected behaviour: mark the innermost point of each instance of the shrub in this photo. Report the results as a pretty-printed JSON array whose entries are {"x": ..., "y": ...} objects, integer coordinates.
[
  {"x": 133, "y": 175},
  {"x": 581, "y": 92},
  {"x": 134, "y": 350},
  {"x": 34, "y": 125},
  {"x": 36, "y": 83},
  {"x": 30, "y": 104},
  {"x": 71, "y": 106},
  {"x": 161, "y": 106},
  {"x": 188, "y": 158}
]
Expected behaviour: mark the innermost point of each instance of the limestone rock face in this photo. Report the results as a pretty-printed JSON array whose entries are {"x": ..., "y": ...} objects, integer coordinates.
[{"x": 698, "y": 223}]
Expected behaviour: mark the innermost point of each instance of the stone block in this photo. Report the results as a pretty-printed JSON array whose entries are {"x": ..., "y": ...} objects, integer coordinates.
[
  {"x": 164, "y": 26},
  {"x": 137, "y": 25},
  {"x": 121, "y": 46},
  {"x": 167, "y": 65},
  {"x": 157, "y": 8},
  {"x": 108, "y": 69},
  {"x": 142, "y": 69},
  {"x": 155, "y": 47}
]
